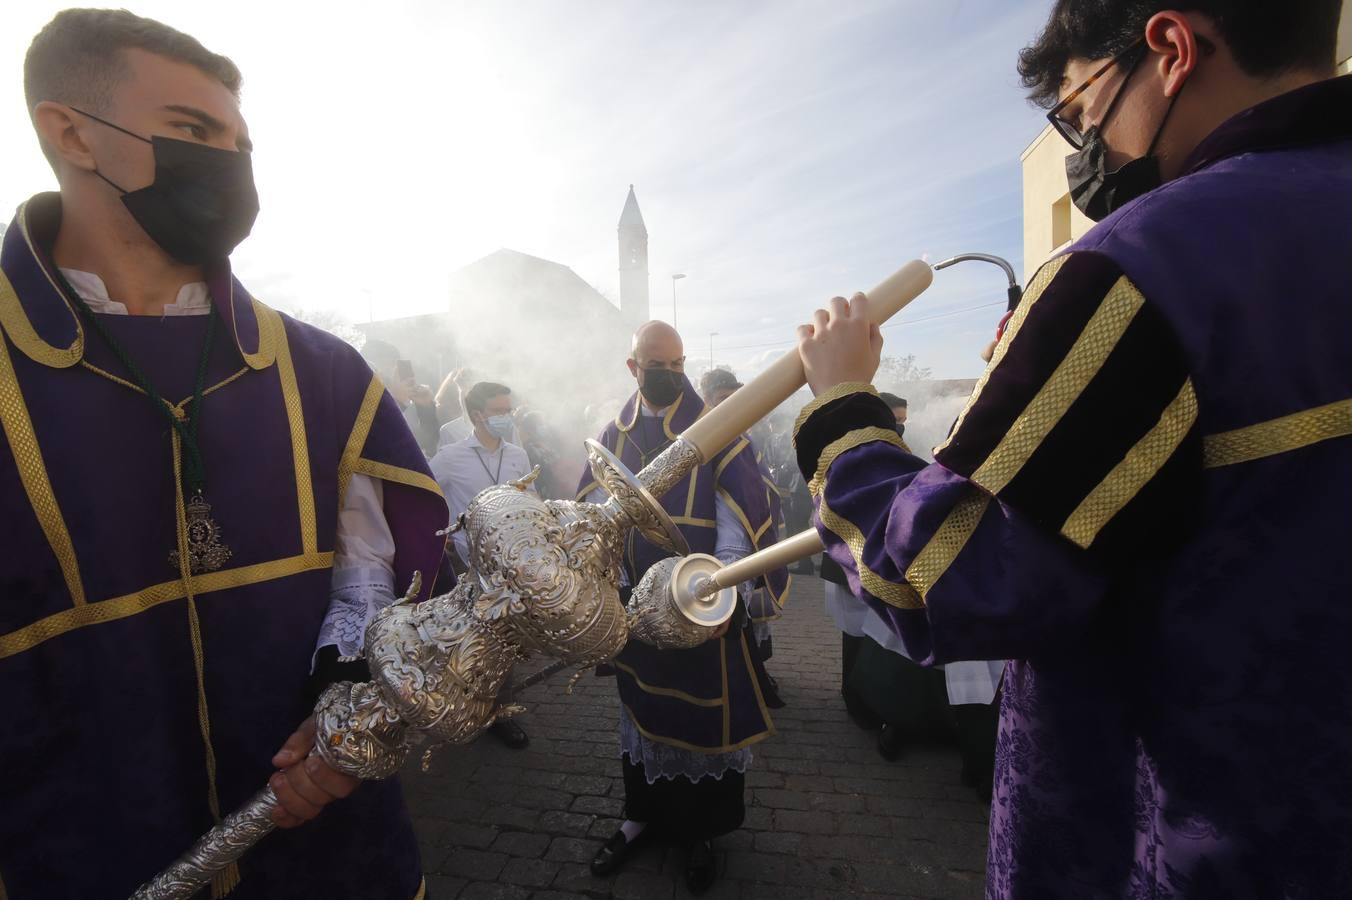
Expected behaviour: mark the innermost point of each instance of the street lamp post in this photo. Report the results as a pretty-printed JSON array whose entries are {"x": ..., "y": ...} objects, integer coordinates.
[
  {"x": 712, "y": 335},
  {"x": 674, "y": 278}
]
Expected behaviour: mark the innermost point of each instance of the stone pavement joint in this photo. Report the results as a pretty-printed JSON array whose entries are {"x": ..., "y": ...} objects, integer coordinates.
[{"x": 827, "y": 817}]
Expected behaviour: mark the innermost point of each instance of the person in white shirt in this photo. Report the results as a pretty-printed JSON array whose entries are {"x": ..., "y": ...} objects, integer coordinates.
[
  {"x": 467, "y": 467},
  {"x": 416, "y": 401}
]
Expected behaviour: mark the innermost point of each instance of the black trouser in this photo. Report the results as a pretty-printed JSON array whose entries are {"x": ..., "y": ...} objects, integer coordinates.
[{"x": 686, "y": 811}]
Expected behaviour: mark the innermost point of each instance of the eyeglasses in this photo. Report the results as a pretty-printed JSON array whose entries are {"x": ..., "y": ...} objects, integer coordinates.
[{"x": 1071, "y": 130}]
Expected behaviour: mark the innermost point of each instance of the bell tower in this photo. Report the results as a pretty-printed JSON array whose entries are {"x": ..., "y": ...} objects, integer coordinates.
[{"x": 633, "y": 263}]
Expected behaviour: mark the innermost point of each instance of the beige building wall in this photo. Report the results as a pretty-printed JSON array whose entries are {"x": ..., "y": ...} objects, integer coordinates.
[
  {"x": 1345, "y": 39},
  {"x": 1050, "y": 220}
]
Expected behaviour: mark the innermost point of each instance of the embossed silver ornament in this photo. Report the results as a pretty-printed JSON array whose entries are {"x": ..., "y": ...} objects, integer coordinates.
[{"x": 543, "y": 578}]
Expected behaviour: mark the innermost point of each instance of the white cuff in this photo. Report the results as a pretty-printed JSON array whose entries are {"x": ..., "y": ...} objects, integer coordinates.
[{"x": 357, "y": 594}]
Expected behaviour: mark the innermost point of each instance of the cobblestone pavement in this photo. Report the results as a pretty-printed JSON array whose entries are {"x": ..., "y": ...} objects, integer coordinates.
[{"x": 826, "y": 815}]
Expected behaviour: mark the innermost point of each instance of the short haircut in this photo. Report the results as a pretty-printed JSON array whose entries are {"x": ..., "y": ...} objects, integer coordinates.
[
  {"x": 481, "y": 393},
  {"x": 892, "y": 400},
  {"x": 78, "y": 57},
  {"x": 1266, "y": 39}
]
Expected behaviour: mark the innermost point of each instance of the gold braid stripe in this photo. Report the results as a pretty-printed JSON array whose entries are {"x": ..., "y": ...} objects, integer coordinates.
[
  {"x": 115, "y": 379},
  {"x": 852, "y": 439},
  {"x": 397, "y": 474},
  {"x": 696, "y": 748},
  {"x": 422, "y": 890},
  {"x": 1063, "y": 388},
  {"x": 270, "y": 332},
  {"x": 844, "y": 389},
  {"x": 3, "y": 895},
  {"x": 23, "y": 444},
  {"x": 943, "y": 548},
  {"x": 295, "y": 417},
  {"x": 753, "y": 533},
  {"x": 103, "y": 373},
  {"x": 697, "y": 522},
  {"x": 755, "y": 684},
  {"x": 667, "y": 692},
  {"x": 671, "y": 414},
  {"x": 727, "y": 705},
  {"x": 60, "y": 623},
  {"x": 225, "y": 880},
  {"x": 361, "y": 428},
  {"x": 1043, "y": 277},
  {"x": 1281, "y": 435},
  {"x": 20, "y": 329},
  {"x": 731, "y": 455},
  {"x": 1135, "y": 470},
  {"x": 902, "y": 596}
]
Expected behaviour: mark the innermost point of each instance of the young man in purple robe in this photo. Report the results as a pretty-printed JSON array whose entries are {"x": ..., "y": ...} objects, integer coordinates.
[
  {"x": 1143, "y": 503},
  {"x": 688, "y": 718},
  {"x": 203, "y": 502}
]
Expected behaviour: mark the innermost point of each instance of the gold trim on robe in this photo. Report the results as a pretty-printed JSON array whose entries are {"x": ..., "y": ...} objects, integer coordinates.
[
  {"x": 1086, "y": 357},
  {"x": 852, "y": 439},
  {"x": 1041, "y": 279},
  {"x": 1280, "y": 435},
  {"x": 1142, "y": 463},
  {"x": 844, "y": 389},
  {"x": 943, "y": 548},
  {"x": 23, "y": 445},
  {"x": 902, "y": 596}
]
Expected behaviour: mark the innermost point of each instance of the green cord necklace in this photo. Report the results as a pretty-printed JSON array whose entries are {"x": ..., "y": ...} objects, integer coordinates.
[{"x": 206, "y": 553}]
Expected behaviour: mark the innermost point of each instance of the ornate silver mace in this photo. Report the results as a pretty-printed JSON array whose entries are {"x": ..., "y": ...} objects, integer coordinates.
[{"x": 543, "y": 578}]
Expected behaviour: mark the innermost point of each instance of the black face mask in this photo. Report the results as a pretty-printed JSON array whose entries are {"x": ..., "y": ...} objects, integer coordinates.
[
  {"x": 202, "y": 202},
  {"x": 1098, "y": 192},
  {"x": 901, "y": 429},
  {"x": 661, "y": 387}
]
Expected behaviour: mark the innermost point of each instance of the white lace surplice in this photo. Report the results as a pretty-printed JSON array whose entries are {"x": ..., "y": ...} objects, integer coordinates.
[
  {"x": 363, "y": 568},
  {"x": 665, "y": 761}
]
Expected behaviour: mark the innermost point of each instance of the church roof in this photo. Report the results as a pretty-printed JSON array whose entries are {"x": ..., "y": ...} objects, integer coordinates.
[
  {"x": 510, "y": 281},
  {"x": 631, "y": 217}
]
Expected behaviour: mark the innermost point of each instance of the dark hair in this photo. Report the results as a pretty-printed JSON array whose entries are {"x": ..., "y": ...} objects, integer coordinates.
[
  {"x": 78, "y": 59},
  {"x": 892, "y": 400},
  {"x": 1264, "y": 39},
  {"x": 479, "y": 395}
]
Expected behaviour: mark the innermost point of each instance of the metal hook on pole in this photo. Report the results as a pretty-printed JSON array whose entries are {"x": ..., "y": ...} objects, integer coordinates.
[{"x": 1015, "y": 293}]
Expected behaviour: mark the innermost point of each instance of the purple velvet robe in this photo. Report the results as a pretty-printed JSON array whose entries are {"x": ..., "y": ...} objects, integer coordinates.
[
  {"x": 657, "y": 686},
  {"x": 104, "y": 772},
  {"x": 1143, "y": 506}
]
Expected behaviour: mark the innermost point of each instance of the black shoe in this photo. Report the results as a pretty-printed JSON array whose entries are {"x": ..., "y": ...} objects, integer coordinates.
[
  {"x": 770, "y": 690},
  {"x": 510, "y": 733},
  {"x": 701, "y": 871},
  {"x": 889, "y": 743},
  {"x": 615, "y": 851},
  {"x": 861, "y": 716},
  {"x": 859, "y": 712}
]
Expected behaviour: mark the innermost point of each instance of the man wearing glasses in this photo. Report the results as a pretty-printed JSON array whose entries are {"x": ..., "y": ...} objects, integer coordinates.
[{"x": 1144, "y": 504}]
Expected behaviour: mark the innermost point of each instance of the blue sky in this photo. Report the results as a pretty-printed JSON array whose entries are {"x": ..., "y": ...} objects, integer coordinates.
[{"x": 781, "y": 152}]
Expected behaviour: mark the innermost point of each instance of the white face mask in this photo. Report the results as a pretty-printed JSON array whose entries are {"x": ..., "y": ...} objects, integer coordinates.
[{"x": 500, "y": 426}]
